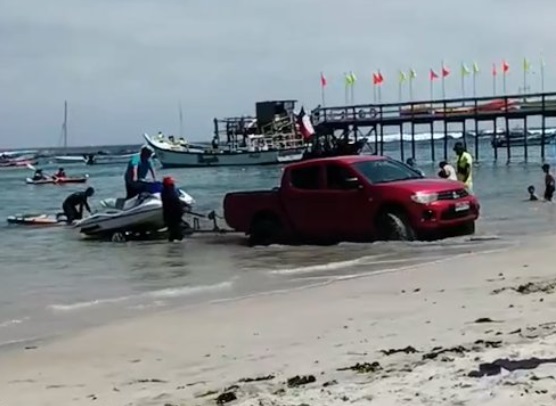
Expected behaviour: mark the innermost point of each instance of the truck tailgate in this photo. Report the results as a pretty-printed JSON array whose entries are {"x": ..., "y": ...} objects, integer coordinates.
[{"x": 241, "y": 207}]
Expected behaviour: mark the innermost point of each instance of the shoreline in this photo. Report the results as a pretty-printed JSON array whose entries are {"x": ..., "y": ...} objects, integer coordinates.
[{"x": 470, "y": 306}]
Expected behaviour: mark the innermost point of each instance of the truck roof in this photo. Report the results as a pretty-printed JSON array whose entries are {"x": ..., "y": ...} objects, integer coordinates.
[{"x": 346, "y": 159}]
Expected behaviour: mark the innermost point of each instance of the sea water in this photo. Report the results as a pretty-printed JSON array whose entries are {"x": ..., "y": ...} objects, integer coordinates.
[{"x": 54, "y": 281}]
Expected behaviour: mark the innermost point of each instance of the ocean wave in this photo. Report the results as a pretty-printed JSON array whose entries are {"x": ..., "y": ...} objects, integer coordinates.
[
  {"x": 8, "y": 323},
  {"x": 329, "y": 266},
  {"x": 163, "y": 293}
]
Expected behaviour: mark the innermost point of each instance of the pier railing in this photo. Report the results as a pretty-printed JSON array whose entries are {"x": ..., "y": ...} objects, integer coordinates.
[{"x": 352, "y": 118}]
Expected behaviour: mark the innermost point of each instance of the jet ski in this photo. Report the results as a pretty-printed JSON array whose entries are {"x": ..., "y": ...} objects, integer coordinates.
[{"x": 140, "y": 214}]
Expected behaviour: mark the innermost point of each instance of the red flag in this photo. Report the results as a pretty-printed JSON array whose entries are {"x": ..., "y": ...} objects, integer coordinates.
[
  {"x": 494, "y": 69},
  {"x": 433, "y": 75},
  {"x": 505, "y": 67},
  {"x": 445, "y": 71},
  {"x": 323, "y": 81},
  {"x": 378, "y": 79},
  {"x": 305, "y": 125}
]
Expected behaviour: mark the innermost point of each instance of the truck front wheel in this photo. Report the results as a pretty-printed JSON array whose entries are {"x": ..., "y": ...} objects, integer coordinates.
[
  {"x": 394, "y": 226},
  {"x": 265, "y": 231}
]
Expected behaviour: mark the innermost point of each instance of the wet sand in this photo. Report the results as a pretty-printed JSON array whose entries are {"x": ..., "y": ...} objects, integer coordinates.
[{"x": 322, "y": 345}]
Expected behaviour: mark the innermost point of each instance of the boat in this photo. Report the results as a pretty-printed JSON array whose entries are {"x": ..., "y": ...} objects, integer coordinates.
[
  {"x": 518, "y": 136},
  {"x": 141, "y": 214},
  {"x": 57, "y": 181},
  {"x": 93, "y": 159},
  {"x": 274, "y": 136},
  {"x": 37, "y": 219},
  {"x": 17, "y": 163}
]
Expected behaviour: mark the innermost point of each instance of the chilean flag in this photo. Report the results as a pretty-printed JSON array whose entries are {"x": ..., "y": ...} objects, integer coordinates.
[{"x": 305, "y": 126}]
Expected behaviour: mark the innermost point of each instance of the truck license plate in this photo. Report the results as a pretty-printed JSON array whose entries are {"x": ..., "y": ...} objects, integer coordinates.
[{"x": 463, "y": 206}]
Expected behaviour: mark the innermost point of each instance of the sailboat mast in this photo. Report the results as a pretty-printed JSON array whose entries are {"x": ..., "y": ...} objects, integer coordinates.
[
  {"x": 181, "y": 120},
  {"x": 65, "y": 124}
]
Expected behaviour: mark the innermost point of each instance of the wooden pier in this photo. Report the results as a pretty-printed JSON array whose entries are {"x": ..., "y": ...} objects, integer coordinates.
[{"x": 468, "y": 114}]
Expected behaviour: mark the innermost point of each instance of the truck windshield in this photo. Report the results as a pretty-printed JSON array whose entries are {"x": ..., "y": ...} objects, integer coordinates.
[{"x": 386, "y": 170}]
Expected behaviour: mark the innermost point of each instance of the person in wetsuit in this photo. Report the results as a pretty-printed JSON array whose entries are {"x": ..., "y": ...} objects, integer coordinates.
[
  {"x": 38, "y": 175},
  {"x": 172, "y": 209},
  {"x": 74, "y": 204},
  {"x": 138, "y": 168},
  {"x": 549, "y": 183}
]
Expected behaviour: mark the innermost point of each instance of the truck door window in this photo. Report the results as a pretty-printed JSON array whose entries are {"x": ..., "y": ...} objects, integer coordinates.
[
  {"x": 338, "y": 178},
  {"x": 306, "y": 178}
]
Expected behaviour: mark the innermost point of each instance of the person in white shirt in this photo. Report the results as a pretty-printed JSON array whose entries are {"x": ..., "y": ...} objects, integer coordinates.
[{"x": 447, "y": 171}]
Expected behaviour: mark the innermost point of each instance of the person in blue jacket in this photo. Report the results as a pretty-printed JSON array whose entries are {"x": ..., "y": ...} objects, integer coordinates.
[{"x": 138, "y": 168}]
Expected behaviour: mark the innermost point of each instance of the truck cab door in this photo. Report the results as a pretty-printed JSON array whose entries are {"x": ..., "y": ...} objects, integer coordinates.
[
  {"x": 303, "y": 201},
  {"x": 349, "y": 202}
]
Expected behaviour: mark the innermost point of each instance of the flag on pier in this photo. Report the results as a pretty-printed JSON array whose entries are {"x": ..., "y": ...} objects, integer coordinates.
[
  {"x": 464, "y": 69},
  {"x": 323, "y": 83},
  {"x": 401, "y": 81},
  {"x": 475, "y": 72},
  {"x": 305, "y": 125},
  {"x": 505, "y": 70},
  {"x": 412, "y": 76},
  {"x": 445, "y": 71},
  {"x": 378, "y": 79},
  {"x": 526, "y": 69},
  {"x": 494, "y": 74},
  {"x": 432, "y": 76},
  {"x": 464, "y": 72},
  {"x": 350, "y": 82}
]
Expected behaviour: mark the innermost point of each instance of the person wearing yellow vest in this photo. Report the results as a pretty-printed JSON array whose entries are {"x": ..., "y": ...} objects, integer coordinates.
[{"x": 464, "y": 165}]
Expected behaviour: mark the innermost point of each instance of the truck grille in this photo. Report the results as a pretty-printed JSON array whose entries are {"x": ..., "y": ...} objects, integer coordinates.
[{"x": 453, "y": 194}]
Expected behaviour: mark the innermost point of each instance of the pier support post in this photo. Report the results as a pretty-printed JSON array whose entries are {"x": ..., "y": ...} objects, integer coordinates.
[
  {"x": 525, "y": 140},
  {"x": 433, "y": 152}
]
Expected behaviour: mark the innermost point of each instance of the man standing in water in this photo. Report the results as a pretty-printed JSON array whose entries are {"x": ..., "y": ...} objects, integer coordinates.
[
  {"x": 137, "y": 170},
  {"x": 464, "y": 165},
  {"x": 549, "y": 183}
]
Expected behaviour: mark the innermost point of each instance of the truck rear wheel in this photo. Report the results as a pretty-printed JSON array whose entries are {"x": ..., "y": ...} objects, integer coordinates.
[
  {"x": 265, "y": 231},
  {"x": 394, "y": 226}
]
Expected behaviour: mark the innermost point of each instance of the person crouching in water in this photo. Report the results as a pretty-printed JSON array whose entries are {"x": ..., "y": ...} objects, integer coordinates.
[
  {"x": 447, "y": 171},
  {"x": 172, "y": 209},
  {"x": 74, "y": 204}
]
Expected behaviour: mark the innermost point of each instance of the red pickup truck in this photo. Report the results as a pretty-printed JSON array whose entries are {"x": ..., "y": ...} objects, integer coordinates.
[{"x": 352, "y": 198}]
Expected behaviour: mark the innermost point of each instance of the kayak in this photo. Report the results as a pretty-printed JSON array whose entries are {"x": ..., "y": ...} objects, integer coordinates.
[
  {"x": 56, "y": 181},
  {"x": 36, "y": 219}
]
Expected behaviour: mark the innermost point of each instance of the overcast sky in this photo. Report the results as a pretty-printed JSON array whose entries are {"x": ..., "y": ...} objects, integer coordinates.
[{"x": 123, "y": 65}]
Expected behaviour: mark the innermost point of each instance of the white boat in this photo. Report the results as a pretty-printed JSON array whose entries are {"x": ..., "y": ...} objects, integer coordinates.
[
  {"x": 142, "y": 213},
  {"x": 70, "y": 159},
  {"x": 272, "y": 137},
  {"x": 93, "y": 159}
]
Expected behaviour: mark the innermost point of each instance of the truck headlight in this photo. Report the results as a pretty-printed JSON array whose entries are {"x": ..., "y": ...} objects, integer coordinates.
[{"x": 424, "y": 198}]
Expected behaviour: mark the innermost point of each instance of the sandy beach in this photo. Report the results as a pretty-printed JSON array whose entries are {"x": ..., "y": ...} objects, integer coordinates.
[{"x": 323, "y": 345}]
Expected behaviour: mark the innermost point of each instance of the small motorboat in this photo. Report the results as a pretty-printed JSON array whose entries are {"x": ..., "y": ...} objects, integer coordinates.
[
  {"x": 141, "y": 214},
  {"x": 32, "y": 219},
  {"x": 57, "y": 181}
]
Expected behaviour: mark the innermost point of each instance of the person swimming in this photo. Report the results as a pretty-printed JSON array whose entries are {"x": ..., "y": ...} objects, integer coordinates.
[{"x": 532, "y": 195}]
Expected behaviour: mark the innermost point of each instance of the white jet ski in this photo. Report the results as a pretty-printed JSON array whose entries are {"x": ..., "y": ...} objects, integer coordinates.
[{"x": 140, "y": 214}]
